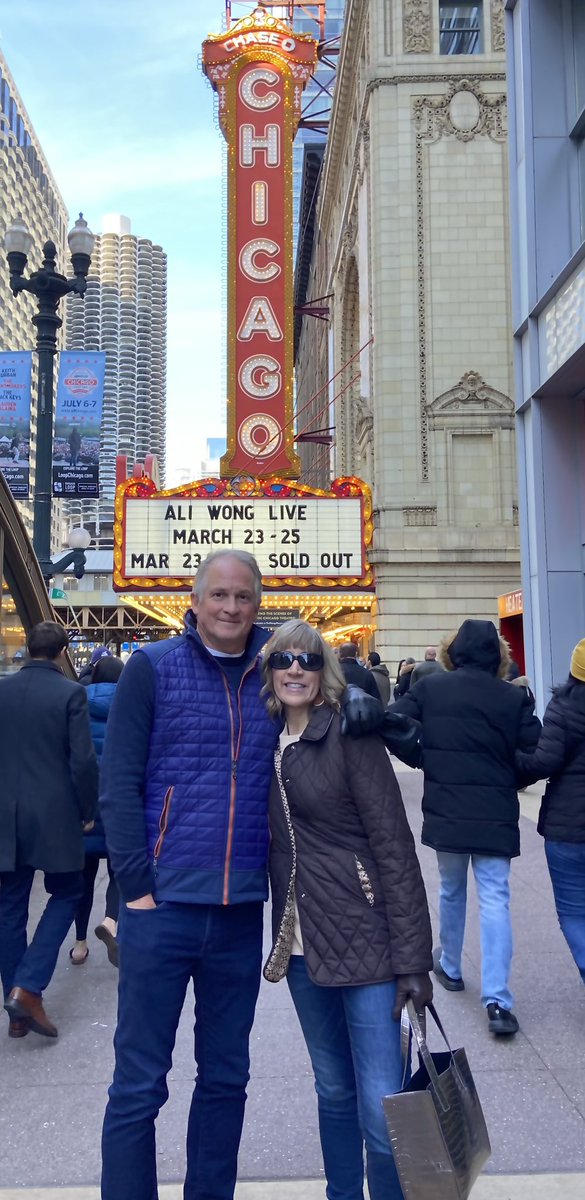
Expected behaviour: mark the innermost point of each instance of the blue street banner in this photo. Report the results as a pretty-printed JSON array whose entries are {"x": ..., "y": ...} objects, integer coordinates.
[
  {"x": 78, "y": 421},
  {"x": 15, "y": 386}
]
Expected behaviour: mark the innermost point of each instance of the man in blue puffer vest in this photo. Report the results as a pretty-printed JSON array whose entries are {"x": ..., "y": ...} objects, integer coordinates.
[{"x": 185, "y": 777}]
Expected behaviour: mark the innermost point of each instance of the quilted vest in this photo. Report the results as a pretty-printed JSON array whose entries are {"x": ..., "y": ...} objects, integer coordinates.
[{"x": 208, "y": 775}]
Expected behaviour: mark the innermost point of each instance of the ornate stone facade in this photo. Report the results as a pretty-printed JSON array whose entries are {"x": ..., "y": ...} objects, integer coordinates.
[
  {"x": 417, "y": 27},
  {"x": 498, "y": 34},
  {"x": 412, "y": 248}
]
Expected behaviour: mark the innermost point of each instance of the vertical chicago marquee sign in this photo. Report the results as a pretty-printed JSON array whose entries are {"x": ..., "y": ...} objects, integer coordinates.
[
  {"x": 259, "y": 69},
  {"x": 302, "y": 537}
]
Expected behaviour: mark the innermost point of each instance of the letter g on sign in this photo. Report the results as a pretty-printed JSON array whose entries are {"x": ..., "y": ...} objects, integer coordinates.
[{"x": 260, "y": 376}]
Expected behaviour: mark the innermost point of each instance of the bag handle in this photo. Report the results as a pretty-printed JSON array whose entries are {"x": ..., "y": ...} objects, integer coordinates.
[
  {"x": 416, "y": 1025},
  {"x": 406, "y": 1038}
]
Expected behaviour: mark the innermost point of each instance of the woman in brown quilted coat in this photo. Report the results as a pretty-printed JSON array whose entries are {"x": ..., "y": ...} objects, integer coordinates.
[{"x": 351, "y": 928}]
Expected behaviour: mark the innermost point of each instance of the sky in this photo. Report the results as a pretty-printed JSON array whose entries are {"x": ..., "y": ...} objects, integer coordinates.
[{"x": 125, "y": 117}]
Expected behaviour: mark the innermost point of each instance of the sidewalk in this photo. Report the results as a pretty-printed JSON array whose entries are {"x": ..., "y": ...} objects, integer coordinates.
[
  {"x": 496, "y": 1187},
  {"x": 52, "y": 1095}
]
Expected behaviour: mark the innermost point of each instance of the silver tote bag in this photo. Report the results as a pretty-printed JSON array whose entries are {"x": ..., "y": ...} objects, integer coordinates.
[{"x": 436, "y": 1125}]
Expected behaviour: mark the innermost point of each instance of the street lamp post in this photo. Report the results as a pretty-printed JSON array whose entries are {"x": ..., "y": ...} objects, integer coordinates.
[{"x": 48, "y": 287}]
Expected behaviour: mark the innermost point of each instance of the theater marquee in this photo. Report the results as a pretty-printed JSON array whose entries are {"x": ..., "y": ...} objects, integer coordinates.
[{"x": 302, "y": 537}]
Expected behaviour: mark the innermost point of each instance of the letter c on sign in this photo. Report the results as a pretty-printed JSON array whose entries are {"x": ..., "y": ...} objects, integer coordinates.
[
  {"x": 248, "y": 86},
  {"x": 260, "y": 376},
  {"x": 248, "y": 255}
]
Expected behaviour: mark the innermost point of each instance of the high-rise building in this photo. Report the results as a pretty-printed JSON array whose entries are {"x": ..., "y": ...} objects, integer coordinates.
[
  {"x": 546, "y": 58},
  {"x": 28, "y": 190},
  {"x": 124, "y": 313}
]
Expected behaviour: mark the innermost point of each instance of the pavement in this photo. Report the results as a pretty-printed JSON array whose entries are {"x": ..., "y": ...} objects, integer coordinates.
[{"x": 52, "y": 1094}]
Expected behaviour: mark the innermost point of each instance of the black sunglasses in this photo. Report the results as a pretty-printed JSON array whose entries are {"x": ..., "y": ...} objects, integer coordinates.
[{"x": 281, "y": 660}]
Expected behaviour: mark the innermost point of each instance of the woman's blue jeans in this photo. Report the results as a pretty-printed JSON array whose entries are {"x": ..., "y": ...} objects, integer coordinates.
[
  {"x": 566, "y": 863},
  {"x": 354, "y": 1045}
]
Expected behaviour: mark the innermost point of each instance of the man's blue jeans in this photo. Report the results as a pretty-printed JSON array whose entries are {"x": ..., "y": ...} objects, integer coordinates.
[
  {"x": 566, "y": 863},
  {"x": 161, "y": 950},
  {"x": 354, "y": 1045},
  {"x": 32, "y": 968},
  {"x": 492, "y": 878}
]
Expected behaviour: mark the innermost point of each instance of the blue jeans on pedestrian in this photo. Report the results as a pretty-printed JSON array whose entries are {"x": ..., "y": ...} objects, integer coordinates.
[
  {"x": 492, "y": 879},
  {"x": 161, "y": 950},
  {"x": 354, "y": 1046},
  {"x": 566, "y": 863},
  {"x": 31, "y": 967}
]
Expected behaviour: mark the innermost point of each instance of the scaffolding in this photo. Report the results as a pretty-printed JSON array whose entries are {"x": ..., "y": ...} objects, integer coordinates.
[
  {"x": 308, "y": 18},
  {"x": 292, "y": 12}
]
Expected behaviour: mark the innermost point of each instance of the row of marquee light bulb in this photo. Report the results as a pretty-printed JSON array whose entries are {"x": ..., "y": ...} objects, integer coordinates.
[
  {"x": 282, "y": 600},
  {"x": 173, "y": 608}
]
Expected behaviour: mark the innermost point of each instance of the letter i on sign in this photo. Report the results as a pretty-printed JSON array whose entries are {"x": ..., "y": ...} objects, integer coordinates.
[{"x": 259, "y": 70}]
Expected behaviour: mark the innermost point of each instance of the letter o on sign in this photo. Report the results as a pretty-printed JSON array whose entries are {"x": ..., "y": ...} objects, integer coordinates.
[
  {"x": 260, "y": 376},
  {"x": 260, "y": 435}
]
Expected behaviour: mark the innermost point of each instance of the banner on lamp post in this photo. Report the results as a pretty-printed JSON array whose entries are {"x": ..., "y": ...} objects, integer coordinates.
[
  {"x": 15, "y": 389},
  {"x": 78, "y": 420}
]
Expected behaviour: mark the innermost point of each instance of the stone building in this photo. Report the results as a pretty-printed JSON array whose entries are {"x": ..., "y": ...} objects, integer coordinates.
[{"x": 414, "y": 371}]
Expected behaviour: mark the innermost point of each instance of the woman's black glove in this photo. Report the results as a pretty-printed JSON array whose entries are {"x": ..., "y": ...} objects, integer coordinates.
[
  {"x": 360, "y": 713},
  {"x": 417, "y": 988}
]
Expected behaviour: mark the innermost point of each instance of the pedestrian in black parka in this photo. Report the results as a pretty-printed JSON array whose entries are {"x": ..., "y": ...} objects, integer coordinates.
[
  {"x": 472, "y": 725},
  {"x": 560, "y": 756}
]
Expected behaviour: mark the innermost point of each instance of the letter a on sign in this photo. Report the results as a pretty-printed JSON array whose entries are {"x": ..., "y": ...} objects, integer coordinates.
[
  {"x": 260, "y": 318},
  {"x": 259, "y": 69}
]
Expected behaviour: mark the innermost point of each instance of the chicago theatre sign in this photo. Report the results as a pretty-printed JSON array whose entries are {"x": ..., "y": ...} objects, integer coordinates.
[
  {"x": 303, "y": 538},
  {"x": 259, "y": 70}
]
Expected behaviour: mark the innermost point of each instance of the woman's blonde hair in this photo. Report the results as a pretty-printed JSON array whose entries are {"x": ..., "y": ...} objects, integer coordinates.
[{"x": 299, "y": 635}]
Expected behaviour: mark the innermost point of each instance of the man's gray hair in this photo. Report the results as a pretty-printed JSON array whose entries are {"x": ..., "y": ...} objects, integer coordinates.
[{"x": 241, "y": 556}]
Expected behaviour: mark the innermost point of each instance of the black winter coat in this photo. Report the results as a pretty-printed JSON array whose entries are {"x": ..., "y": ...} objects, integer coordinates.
[
  {"x": 402, "y": 685},
  {"x": 49, "y": 769},
  {"x": 359, "y": 676},
  {"x": 472, "y": 725},
  {"x": 342, "y": 845},
  {"x": 560, "y": 754},
  {"x": 381, "y": 677}
]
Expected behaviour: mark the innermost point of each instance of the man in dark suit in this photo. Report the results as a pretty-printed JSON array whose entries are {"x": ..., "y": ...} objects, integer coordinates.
[
  {"x": 48, "y": 796},
  {"x": 354, "y": 672}
]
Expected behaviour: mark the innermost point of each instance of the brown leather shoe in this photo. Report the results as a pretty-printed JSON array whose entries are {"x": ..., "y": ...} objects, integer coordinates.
[
  {"x": 25, "y": 1006},
  {"x": 18, "y": 1028}
]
